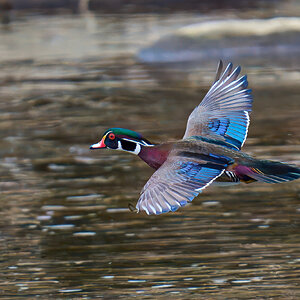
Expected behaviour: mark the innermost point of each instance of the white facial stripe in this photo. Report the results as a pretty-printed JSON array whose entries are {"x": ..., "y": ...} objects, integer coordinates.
[
  {"x": 145, "y": 144},
  {"x": 128, "y": 140},
  {"x": 138, "y": 142}
]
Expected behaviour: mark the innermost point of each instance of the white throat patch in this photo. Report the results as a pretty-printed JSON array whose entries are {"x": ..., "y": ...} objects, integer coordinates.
[{"x": 136, "y": 151}]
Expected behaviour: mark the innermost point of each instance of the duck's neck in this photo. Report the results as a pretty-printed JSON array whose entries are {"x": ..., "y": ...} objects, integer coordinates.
[{"x": 154, "y": 156}]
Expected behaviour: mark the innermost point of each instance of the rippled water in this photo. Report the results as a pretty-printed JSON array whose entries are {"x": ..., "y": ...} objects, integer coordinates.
[{"x": 66, "y": 230}]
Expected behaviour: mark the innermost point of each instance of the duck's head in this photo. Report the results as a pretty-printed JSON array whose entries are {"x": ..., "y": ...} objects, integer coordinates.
[{"x": 122, "y": 139}]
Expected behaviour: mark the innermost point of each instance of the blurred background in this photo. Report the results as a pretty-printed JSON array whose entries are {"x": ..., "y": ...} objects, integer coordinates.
[{"x": 71, "y": 69}]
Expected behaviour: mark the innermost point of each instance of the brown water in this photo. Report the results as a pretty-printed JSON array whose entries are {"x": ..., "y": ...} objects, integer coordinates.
[{"x": 66, "y": 231}]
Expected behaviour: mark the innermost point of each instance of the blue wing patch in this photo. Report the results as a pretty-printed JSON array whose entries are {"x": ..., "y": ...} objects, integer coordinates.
[
  {"x": 233, "y": 128},
  {"x": 231, "y": 101},
  {"x": 223, "y": 114},
  {"x": 177, "y": 182},
  {"x": 219, "y": 126}
]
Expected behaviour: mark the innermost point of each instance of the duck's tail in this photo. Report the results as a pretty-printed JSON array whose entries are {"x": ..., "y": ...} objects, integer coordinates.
[{"x": 267, "y": 171}]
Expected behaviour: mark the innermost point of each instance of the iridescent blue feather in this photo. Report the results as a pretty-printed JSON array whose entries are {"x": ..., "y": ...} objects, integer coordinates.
[
  {"x": 179, "y": 180},
  {"x": 223, "y": 114}
]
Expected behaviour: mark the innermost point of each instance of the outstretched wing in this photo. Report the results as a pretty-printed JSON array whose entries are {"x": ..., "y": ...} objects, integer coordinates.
[
  {"x": 178, "y": 181},
  {"x": 224, "y": 112}
]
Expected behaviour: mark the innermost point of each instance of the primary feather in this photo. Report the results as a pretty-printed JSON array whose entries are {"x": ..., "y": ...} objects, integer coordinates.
[{"x": 224, "y": 112}]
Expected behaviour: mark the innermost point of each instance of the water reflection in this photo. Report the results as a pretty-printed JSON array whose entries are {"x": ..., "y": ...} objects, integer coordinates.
[{"x": 66, "y": 230}]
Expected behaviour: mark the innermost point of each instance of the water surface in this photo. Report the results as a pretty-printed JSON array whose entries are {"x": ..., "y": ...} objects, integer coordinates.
[{"x": 66, "y": 231}]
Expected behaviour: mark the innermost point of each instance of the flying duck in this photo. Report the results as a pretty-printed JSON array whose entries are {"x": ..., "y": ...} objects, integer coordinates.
[{"x": 210, "y": 149}]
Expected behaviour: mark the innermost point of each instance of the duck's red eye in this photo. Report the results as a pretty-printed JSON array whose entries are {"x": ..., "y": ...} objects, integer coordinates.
[{"x": 111, "y": 136}]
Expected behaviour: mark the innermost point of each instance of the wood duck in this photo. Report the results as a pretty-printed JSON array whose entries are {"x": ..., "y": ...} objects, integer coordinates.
[{"x": 210, "y": 149}]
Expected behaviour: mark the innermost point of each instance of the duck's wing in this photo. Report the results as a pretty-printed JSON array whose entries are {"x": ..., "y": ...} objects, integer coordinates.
[
  {"x": 224, "y": 112},
  {"x": 179, "y": 180}
]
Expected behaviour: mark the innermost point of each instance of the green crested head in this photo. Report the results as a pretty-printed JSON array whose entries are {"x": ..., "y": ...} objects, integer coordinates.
[
  {"x": 122, "y": 139},
  {"x": 124, "y": 132}
]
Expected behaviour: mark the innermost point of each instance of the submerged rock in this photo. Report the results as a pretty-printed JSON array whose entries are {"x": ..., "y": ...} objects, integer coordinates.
[{"x": 249, "y": 39}]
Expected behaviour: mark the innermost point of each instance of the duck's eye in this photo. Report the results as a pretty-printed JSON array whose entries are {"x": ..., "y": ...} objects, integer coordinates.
[{"x": 111, "y": 136}]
